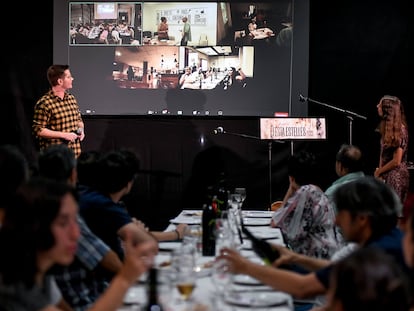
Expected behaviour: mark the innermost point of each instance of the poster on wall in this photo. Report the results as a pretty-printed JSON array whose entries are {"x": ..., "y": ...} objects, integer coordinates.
[{"x": 292, "y": 128}]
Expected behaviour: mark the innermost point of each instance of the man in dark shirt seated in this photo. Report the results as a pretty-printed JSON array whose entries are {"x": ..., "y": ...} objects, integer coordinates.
[{"x": 367, "y": 214}]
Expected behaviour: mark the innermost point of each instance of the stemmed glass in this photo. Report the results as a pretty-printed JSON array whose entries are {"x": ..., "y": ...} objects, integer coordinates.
[{"x": 242, "y": 193}]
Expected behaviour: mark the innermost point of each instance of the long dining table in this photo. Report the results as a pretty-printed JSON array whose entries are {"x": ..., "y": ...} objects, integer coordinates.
[{"x": 243, "y": 292}]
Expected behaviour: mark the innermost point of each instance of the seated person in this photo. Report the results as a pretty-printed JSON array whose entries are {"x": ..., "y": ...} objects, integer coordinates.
[
  {"x": 368, "y": 279},
  {"x": 367, "y": 215},
  {"x": 186, "y": 77},
  {"x": 234, "y": 79},
  {"x": 115, "y": 173},
  {"x": 306, "y": 216},
  {"x": 14, "y": 170},
  {"x": 284, "y": 37},
  {"x": 41, "y": 229},
  {"x": 251, "y": 27}
]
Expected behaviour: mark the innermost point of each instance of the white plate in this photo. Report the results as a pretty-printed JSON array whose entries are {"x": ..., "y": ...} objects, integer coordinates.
[
  {"x": 191, "y": 213},
  {"x": 243, "y": 279},
  {"x": 189, "y": 220},
  {"x": 256, "y": 299},
  {"x": 256, "y": 221},
  {"x": 266, "y": 233},
  {"x": 258, "y": 214}
]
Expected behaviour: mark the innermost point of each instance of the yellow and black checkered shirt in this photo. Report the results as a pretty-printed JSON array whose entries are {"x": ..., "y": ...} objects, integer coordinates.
[{"x": 57, "y": 114}]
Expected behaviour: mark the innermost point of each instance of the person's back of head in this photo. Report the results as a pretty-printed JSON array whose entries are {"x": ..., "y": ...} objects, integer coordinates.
[
  {"x": 302, "y": 166},
  {"x": 350, "y": 157},
  {"x": 368, "y": 279},
  {"x": 87, "y": 168},
  {"x": 116, "y": 169},
  {"x": 372, "y": 197},
  {"x": 14, "y": 169},
  {"x": 58, "y": 162}
]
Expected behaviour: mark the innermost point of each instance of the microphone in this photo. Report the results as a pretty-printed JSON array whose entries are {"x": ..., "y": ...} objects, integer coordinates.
[
  {"x": 78, "y": 131},
  {"x": 219, "y": 130},
  {"x": 302, "y": 98}
]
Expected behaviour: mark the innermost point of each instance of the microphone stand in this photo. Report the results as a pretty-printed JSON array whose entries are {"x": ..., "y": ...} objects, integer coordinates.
[
  {"x": 349, "y": 114},
  {"x": 269, "y": 156}
]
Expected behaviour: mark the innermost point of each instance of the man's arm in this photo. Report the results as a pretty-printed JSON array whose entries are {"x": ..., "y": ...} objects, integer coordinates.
[
  {"x": 111, "y": 262},
  {"x": 176, "y": 234},
  {"x": 47, "y": 133},
  {"x": 298, "y": 285},
  {"x": 138, "y": 259},
  {"x": 64, "y": 306},
  {"x": 138, "y": 234}
]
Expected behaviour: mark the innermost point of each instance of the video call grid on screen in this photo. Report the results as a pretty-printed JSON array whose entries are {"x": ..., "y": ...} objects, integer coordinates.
[{"x": 238, "y": 61}]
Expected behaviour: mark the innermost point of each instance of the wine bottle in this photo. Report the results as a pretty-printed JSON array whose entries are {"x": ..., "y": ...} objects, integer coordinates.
[
  {"x": 153, "y": 303},
  {"x": 262, "y": 248},
  {"x": 208, "y": 220}
]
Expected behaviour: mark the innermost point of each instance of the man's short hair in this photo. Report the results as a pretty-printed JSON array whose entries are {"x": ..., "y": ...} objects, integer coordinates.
[
  {"x": 57, "y": 162},
  {"x": 350, "y": 158}
]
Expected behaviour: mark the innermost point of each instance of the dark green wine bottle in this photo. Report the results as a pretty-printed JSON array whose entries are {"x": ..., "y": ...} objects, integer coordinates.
[
  {"x": 208, "y": 220},
  {"x": 153, "y": 303}
]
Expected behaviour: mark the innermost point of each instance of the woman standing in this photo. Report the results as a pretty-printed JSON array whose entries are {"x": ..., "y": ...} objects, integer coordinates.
[
  {"x": 163, "y": 29},
  {"x": 394, "y": 145}
]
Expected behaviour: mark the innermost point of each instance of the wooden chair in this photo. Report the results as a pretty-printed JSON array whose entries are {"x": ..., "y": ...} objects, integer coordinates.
[{"x": 276, "y": 205}]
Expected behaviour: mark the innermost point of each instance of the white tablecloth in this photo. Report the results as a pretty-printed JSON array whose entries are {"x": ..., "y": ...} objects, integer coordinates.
[{"x": 243, "y": 289}]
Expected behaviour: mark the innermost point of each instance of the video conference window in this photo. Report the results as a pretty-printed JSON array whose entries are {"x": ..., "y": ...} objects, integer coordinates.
[{"x": 181, "y": 57}]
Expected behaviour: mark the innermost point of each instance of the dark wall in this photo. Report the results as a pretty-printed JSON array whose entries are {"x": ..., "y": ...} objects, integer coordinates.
[{"x": 359, "y": 51}]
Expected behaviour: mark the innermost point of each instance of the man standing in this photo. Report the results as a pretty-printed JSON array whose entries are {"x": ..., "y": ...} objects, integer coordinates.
[
  {"x": 185, "y": 32},
  {"x": 57, "y": 118}
]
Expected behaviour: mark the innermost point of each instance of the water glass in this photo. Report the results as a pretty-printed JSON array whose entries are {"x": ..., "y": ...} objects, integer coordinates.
[
  {"x": 221, "y": 277},
  {"x": 193, "y": 235}
]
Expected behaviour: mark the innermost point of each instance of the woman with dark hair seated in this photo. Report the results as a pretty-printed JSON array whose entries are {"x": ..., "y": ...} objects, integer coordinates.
[{"x": 40, "y": 230}]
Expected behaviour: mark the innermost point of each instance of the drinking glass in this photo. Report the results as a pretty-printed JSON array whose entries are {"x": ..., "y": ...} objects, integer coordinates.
[
  {"x": 241, "y": 192},
  {"x": 183, "y": 264},
  {"x": 193, "y": 235},
  {"x": 234, "y": 200},
  {"x": 221, "y": 277},
  {"x": 223, "y": 233},
  {"x": 185, "y": 283}
]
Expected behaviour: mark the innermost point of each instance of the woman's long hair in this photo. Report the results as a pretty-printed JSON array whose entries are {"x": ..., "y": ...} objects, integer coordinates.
[
  {"x": 393, "y": 119},
  {"x": 26, "y": 229}
]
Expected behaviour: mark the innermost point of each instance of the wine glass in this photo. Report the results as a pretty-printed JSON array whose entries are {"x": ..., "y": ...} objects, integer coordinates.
[{"x": 241, "y": 192}]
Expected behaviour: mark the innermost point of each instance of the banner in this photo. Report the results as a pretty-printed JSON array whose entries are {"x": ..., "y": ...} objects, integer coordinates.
[{"x": 292, "y": 128}]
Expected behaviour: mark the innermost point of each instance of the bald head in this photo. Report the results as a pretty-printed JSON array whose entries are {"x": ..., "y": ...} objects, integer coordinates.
[{"x": 350, "y": 159}]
